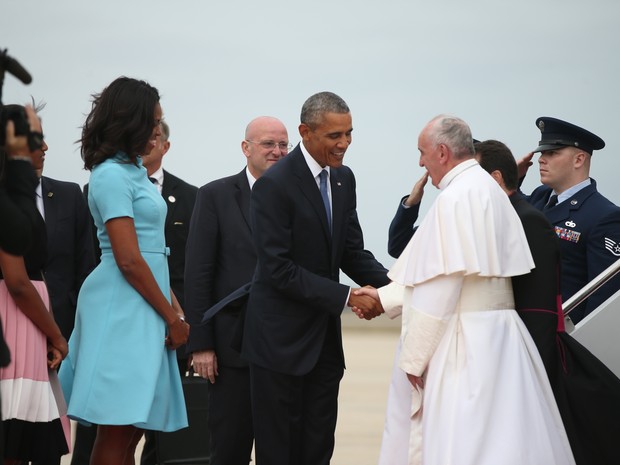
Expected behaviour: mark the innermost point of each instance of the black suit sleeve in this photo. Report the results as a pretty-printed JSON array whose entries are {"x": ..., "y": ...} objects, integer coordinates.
[
  {"x": 401, "y": 228},
  {"x": 18, "y": 208},
  {"x": 200, "y": 270}
]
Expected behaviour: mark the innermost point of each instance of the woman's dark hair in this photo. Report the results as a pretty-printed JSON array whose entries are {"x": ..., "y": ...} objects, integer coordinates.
[{"x": 121, "y": 119}]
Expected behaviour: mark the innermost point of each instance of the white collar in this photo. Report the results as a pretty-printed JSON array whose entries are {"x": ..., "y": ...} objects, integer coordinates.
[
  {"x": 315, "y": 168},
  {"x": 251, "y": 178},
  {"x": 158, "y": 176},
  {"x": 568, "y": 193},
  {"x": 454, "y": 172}
]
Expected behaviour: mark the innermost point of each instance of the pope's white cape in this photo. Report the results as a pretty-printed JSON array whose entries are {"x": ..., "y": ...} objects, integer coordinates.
[{"x": 460, "y": 233}]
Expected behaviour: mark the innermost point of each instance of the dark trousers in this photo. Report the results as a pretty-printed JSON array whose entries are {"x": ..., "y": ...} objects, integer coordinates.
[
  {"x": 295, "y": 416},
  {"x": 230, "y": 417}
]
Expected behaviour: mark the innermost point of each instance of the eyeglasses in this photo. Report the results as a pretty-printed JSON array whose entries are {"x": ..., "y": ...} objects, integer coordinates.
[{"x": 270, "y": 145}]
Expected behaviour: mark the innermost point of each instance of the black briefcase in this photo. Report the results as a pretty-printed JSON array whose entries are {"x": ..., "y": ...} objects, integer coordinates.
[{"x": 191, "y": 445}]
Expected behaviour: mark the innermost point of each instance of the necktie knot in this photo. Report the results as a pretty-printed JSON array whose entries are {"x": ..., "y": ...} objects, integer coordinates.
[
  {"x": 553, "y": 200},
  {"x": 153, "y": 180}
]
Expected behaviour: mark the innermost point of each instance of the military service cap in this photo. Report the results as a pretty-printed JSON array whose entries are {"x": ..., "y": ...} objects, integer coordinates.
[{"x": 556, "y": 133}]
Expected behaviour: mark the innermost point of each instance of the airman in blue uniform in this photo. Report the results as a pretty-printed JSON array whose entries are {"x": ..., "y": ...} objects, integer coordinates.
[{"x": 587, "y": 223}]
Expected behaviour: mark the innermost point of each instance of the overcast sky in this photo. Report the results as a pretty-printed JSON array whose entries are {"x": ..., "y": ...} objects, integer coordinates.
[{"x": 497, "y": 64}]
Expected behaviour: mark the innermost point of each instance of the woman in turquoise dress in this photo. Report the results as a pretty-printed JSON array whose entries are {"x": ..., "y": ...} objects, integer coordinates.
[{"x": 121, "y": 372}]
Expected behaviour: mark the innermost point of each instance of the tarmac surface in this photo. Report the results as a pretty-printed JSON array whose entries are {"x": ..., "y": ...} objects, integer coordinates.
[{"x": 369, "y": 350}]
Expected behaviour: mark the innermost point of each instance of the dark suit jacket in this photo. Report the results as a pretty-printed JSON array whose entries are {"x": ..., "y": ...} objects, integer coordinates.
[
  {"x": 539, "y": 288},
  {"x": 589, "y": 228},
  {"x": 18, "y": 208},
  {"x": 296, "y": 291},
  {"x": 220, "y": 258},
  {"x": 180, "y": 198},
  {"x": 70, "y": 249}
]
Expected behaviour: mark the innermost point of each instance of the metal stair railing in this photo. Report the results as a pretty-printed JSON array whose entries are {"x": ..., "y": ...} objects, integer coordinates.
[{"x": 587, "y": 290}]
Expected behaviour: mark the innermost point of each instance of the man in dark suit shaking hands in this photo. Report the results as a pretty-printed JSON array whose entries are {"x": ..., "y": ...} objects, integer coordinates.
[
  {"x": 305, "y": 230},
  {"x": 220, "y": 259}
]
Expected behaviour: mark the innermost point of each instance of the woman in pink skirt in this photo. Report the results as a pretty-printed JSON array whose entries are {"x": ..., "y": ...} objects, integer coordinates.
[{"x": 34, "y": 423}]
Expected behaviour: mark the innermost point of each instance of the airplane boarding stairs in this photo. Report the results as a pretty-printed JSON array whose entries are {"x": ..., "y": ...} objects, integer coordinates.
[{"x": 599, "y": 331}]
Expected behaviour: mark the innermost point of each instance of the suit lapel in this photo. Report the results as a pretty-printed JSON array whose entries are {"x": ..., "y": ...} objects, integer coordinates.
[
  {"x": 309, "y": 188},
  {"x": 338, "y": 204},
  {"x": 242, "y": 196},
  {"x": 167, "y": 193},
  {"x": 50, "y": 206}
]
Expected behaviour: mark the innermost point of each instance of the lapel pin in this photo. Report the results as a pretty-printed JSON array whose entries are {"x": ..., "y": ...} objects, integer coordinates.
[
  {"x": 338, "y": 183},
  {"x": 50, "y": 195},
  {"x": 573, "y": 202},
  {"x": 171, "y": 199}
]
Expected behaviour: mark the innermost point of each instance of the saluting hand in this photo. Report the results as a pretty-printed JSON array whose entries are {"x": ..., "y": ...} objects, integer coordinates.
[{"x": 418, "y": 191}]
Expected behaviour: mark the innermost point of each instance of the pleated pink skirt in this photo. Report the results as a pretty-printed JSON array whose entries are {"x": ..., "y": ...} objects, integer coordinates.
[{"x": 35, "y": 424}]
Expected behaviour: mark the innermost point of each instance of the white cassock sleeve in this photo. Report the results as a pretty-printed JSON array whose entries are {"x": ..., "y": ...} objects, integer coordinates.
[
  {"x": 391, "y": 297},
  {"x": 432, "y": 305}
]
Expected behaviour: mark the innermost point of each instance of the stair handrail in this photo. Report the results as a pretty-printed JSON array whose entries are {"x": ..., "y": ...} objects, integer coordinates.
[{"x": 589, "y": 289}]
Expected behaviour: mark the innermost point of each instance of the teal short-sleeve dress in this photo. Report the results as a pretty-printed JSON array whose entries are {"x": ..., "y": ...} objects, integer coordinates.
[{"x": 118, "y": 371}]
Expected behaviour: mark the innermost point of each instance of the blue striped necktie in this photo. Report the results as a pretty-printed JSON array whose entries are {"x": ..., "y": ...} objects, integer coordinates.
[{"x": 325, "y": 196}]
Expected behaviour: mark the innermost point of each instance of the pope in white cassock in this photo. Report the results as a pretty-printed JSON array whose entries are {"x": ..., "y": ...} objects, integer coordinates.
[{"x": 480, "y": 393}]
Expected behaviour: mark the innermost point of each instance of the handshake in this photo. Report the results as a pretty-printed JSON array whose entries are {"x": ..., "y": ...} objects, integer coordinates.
[{"x": 365, "y": 302}]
